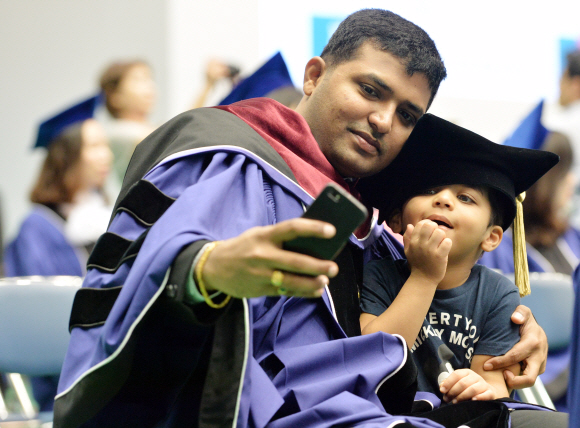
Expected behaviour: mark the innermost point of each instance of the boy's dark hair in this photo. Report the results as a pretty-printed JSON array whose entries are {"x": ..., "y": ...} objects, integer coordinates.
[
  {"x": 573, "y": 63},
  {"x": 495, "y": 202},
  {"x": 390, "y": 33}
]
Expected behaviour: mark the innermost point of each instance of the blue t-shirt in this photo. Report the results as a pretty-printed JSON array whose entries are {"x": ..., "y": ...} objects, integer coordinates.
[{"x": 473, "y": 318}]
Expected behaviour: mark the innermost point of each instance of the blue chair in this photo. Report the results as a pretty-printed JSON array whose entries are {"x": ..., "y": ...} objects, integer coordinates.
[
  {"x": 574, "y": 382},
  {"x": 34, "y": 316},
  {"x": 552, "y": 303}
]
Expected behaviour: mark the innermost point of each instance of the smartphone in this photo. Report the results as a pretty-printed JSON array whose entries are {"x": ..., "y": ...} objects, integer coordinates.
[{"x": 336, "y": 206}]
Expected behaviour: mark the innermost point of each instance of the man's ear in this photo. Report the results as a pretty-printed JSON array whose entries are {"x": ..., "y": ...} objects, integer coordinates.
[
  {"x": 395, "y": 222},
  {"x": 315, "y": 68},
  {"x": 493, "y": 238}
]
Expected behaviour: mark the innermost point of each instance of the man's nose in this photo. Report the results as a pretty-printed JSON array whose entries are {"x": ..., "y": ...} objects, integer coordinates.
[{"x": 381, "y": 120}]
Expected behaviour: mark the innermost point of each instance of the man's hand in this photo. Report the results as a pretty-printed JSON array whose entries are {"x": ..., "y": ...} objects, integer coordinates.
[
  {"x": 465, "y": 384},
  {"x": 427, "y": 249},
  {"x": 531, "y": 351},
  {"x": 243, "y": 266}
]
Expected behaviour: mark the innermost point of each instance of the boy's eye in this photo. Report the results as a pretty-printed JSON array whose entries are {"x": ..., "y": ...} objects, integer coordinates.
[
  {"x": 430, "y": 191},
  {"x": 407, "y": 117},
  {"x": 465, "y": 198}
]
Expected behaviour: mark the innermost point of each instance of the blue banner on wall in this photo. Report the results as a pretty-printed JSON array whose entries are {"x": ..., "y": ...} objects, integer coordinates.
[
  {"x": 322, "y": 29},
  {"x": 567, "y": 46}
]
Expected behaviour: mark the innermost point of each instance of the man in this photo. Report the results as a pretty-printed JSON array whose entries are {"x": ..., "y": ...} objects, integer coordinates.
[{"x": 163, "y": 332}]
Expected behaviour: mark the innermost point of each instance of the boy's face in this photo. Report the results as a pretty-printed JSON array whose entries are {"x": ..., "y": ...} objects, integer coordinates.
[{"x": 462, "y": 212}]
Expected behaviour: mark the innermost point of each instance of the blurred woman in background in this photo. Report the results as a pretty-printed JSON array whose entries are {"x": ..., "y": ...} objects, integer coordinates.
[
  {"x": 130, "y": 94},
  {"x": 547, "y": 210},
  {"x": 553, "y": 244},
  {"x": 70, "y": 212}
]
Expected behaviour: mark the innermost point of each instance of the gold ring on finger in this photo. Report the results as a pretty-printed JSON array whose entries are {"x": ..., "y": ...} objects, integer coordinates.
[{"x": 277, "y": 278}]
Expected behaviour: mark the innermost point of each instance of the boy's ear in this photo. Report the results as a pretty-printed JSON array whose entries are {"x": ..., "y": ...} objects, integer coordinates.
[
  {"x": 493, "y": 238},
  {"x": 394, "y": 222}
]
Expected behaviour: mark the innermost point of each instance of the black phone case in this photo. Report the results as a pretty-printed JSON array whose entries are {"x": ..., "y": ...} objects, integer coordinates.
[{"x": 336, "y": 206}]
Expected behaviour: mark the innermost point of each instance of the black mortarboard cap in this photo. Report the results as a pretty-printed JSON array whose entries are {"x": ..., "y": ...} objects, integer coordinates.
[
  {"x": 270, "y": 76},
  {"x": 52, "y": 127},
  {"x": 440, "y": 153}
]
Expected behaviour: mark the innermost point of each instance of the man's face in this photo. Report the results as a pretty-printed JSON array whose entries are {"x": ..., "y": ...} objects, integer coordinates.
[{"x": 362, "y": 111}]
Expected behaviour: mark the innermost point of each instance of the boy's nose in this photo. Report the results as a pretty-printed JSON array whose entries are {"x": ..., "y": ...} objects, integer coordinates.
[{"x": 444, "y": 198}]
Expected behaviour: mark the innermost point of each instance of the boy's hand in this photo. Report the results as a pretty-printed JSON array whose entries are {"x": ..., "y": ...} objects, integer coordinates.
[
  {"x": 465, "y": 384},
  {"x": 427, "y": 248}
]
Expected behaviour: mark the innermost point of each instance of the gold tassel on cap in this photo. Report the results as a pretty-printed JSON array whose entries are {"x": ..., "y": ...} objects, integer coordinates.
[{"x": 521, "y": 273}]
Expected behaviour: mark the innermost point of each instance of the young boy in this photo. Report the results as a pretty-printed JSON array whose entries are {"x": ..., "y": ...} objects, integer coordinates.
[{"x": 453, "y": 313}]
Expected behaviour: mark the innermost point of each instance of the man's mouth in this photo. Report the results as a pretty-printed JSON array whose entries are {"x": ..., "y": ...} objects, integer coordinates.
[{"x": 369, "y": 143}]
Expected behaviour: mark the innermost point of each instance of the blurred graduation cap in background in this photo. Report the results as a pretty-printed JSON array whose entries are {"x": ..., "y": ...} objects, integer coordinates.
[
  {"x": 52, "y": 127},
  {"x": 530, "y": 133},
  {"x": 269, "y": 77}
]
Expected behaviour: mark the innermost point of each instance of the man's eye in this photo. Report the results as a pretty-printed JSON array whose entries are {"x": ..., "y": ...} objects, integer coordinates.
[{"x": 369, "y": 90}]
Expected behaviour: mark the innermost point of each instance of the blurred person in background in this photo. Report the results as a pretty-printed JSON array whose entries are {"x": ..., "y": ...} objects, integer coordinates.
[
  {"x": 70, "y": 209},
  {"x": 565, "y": 117},
  {"x": 215, "y": 71},
  {"x": 272, "y": 80},
  {"x": 553, "y": 244},
  {"x": 129, "y": 94},
  {"x": 547, "y": 212}
]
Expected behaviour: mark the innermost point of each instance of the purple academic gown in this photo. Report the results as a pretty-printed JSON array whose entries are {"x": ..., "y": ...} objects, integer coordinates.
[
  {"x": 502, "y": 258},
  {"x": 40, "y": 248},
  {"x": 268, "y": 361}
]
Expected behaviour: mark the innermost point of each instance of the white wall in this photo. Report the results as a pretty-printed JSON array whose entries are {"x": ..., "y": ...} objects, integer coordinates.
[{"x": 199, "y": 30}]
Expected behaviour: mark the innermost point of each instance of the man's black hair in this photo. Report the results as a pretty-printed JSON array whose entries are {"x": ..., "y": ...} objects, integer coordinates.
[
  {"x": 573, "y": 63},
  {"x": 393, "y": 34}
]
